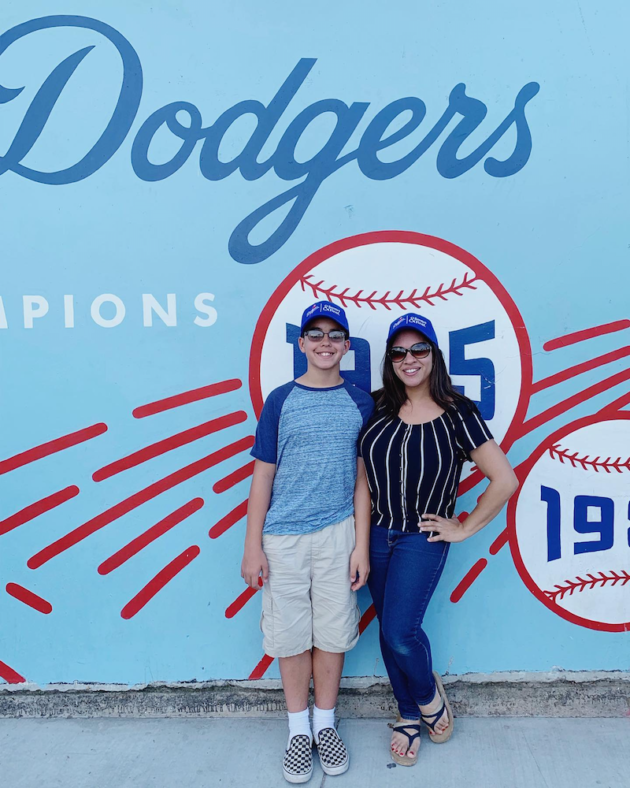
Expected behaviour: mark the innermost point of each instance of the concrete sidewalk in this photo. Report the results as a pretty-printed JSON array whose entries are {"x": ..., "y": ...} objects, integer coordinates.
[{"x": 226, "y": 753}]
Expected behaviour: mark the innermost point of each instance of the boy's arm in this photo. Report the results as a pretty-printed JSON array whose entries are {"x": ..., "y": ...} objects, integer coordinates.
[
  {"x": 254, "y": 560},
  {"x": 360, "y": 558}
]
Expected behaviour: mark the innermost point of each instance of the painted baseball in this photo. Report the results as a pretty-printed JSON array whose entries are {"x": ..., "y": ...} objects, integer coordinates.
[
  {"x": 379, "y": 276},
  {"x": 569, "y": 524}
]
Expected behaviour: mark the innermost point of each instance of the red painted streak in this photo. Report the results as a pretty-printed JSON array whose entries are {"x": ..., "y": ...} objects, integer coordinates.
[
  {"x": 150, "y": 535},
  {"x": 468, "y": 579},
  {"x": 576, "y": 399},
  {"x": 259, "y": 671},
  {"x": 470, "y": 482},
  {"x": 168, "y": 444},
  {"x": 462, "y": 516},
  {"x": 186, "y": 398},
  {"x": 10, "y": 675},
  {"x": 366, "y": 619},
  {"x": 241, "y": 600},
  {"x": 51, "y": 447},
  {"x": 578, "y": 369},
  {"x": 617, "y": 404},
  {"x": 499, "y": 542},
  {"x": 137, "y": 499},
  {"x": 29, "y": 598},
  {"x": 158, "y": 582},
  {"x": 33, "y": 510},
  {"x": 234, "y": 478},
  {"x": 230, "y": 519},
  {"x": 587, "y": 333}
]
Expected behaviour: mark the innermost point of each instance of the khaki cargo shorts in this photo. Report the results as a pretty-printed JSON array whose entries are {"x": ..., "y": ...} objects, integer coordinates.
[{"x": 307, "y": 600}]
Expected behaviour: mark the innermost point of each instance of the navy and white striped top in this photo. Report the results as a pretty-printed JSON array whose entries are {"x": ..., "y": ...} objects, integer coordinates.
[{"x": 414, "y": 469}]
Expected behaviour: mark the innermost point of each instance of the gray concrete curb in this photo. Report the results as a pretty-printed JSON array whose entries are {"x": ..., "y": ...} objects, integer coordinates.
[{"x": 555, "y": 694}]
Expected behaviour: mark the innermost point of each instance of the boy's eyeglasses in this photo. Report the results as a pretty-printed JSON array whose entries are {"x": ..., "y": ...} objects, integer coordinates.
[
  {"x": 419, "y": 350},
  {"x": 316, "y": 335}
]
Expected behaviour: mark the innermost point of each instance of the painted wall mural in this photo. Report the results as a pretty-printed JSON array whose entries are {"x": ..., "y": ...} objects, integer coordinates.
[{"x": 137, "y": 348}]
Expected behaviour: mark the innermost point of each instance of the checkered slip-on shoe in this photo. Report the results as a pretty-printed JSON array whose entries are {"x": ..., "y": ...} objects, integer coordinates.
[
  {"x": 333, "y": 755},
  {"x": 297, "y": 765}
]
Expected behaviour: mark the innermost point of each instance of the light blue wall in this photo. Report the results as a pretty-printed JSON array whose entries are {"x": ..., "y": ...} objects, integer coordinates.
[{"x": 554, "y": 233}]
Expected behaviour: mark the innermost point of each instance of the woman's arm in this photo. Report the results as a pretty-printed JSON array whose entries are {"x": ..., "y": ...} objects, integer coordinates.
[
  {"x": 493, "y": 463},
  {"x": 360, "y": 558},
  {"x": 254, "y": 559}
]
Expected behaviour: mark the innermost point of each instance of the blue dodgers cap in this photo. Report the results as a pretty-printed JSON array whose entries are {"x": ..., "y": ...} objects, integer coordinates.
[
  {"x": 325, "y": 309},
  {"x": 417, "y": 323}
]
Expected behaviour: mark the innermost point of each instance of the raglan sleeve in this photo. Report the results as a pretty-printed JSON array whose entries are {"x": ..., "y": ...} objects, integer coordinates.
[
  {"x": 365, "y": 404},
  {"x": 471, "y": 431},
  {"x": 265, "y": 446},
  {"x": 366, "y": 407}
]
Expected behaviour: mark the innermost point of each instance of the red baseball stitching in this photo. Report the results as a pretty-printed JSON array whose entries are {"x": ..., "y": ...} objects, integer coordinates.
[
  {"x": 400, "y": 300},
  {"x": 579, "y": 583},
  {"x": 585, "y": 462}
]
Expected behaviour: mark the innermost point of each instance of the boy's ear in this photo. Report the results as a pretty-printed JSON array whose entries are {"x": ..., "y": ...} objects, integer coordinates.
[
  {"x": 346, "y": 346},
  {"x": 301, "y": 344}
]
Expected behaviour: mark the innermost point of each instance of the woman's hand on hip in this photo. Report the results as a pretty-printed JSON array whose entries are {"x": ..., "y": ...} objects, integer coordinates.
[{"x": 444, "y": 530}]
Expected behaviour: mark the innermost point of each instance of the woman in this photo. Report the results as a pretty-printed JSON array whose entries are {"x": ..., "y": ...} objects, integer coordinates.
[{"x": 414, "y": 446}]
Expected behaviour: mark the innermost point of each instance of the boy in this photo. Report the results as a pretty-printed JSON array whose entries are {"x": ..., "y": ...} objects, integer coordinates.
[{"x": 302, "y": 537}]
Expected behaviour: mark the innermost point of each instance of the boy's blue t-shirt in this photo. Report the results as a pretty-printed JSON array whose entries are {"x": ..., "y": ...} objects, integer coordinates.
[{"x": 311, "y": 436}]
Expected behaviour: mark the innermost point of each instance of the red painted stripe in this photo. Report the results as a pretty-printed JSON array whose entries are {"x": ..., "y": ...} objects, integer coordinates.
[
  {"x": 234, "y": 478},
  {"x": 33, "y": 510},
  {"x": 259, "y": 671},
  {"x": 158, "y": 582},
  {"x": 499, "y": 542},
  {"x": 241, "y": 600},
  {"x": 469, "y": 578},
  {"x": 578, "y": 369},
  {"x": 137, "y": 499},
  {"x": 168, "y": 444},
  {"x": 150, "y": 535},
  {"x": 470, "y": 482},
  {"x": 576, "y": 399},
  {"x": 366, "y": 619},
  {"x": 462, "y": 516},
  {"x": 617, "y": 404},
  {"x": 29, "y": 598},
  {"x": 51, "y": 447},
  {"x": 587, "y": 333},
  {"x": 186, "y": 398},
  {"x": 10, "y": 675},
  {"x": 230, "y": 519}
]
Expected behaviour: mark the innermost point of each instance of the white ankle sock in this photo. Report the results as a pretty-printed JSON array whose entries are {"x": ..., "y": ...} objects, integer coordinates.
[
  {"x": 299, "y": 722},
  {"x": 322, "y": 718}
]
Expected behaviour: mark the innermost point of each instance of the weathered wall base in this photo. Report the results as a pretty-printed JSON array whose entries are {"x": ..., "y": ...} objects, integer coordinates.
[{"x": 556, "y": 694}]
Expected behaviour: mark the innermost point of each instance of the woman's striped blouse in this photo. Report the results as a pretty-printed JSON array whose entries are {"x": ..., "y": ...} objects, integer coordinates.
[{"x": 413, "y": 469}]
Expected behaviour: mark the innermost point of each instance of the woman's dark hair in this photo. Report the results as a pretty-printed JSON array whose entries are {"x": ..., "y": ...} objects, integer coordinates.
[{"x": 393, "y": 395}]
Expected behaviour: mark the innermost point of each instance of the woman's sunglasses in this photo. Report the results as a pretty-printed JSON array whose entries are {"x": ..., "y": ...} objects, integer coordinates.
[
  {"x": 316, "y": 335},
  {"x": 419, "y": 350}
]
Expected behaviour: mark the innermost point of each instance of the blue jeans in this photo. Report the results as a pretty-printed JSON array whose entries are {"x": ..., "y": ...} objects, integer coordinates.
[{"x": 404, "y": 571}]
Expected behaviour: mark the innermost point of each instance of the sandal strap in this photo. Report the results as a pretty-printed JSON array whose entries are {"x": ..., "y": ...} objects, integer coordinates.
[
  {"x": 426, "y": 718},
  {"x": 414, "y": 727}
]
